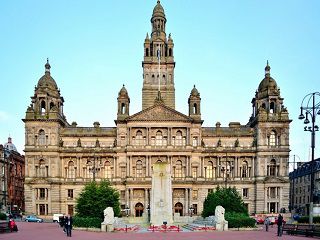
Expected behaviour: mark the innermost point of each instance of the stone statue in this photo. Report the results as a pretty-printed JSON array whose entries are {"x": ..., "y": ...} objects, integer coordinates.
[
  {"x": 79, "y": 143},
  {"x": 108, "y": 215},
  {"x": 221, "y": 223},
  {"x": 60, "y": 142}
]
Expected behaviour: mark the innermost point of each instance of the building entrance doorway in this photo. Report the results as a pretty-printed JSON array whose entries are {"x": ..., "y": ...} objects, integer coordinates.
[
  {"x": 139, "y": 209},
  {"x": 178, "y": 208}
]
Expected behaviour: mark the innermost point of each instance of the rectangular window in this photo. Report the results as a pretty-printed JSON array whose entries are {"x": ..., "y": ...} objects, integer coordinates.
[
  {"x": 122, "y": 194},
  {"x": 272, "y": 193},
  {"x": 195, "y": 141},
  {"x": 70, "y": 209},
  {"x": 194, "y": 172},
  {"x": 70, "y": 193},
  {"x": 123, "y": 172},
  {"x": 245, "y": 192},
  {"x": 42, "y": 193},
  {"x": 194, "y": 194}
]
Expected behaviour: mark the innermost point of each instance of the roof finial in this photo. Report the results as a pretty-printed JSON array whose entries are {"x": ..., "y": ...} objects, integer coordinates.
[
  {"x": 267, "y": 69},
  {"x": 47, "y": 66},
  {"x": 158, "y": 1}
]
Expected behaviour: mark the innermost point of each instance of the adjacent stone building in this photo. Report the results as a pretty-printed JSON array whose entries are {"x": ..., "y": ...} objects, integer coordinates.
[
  {"x": 11, "y": 178},
  {"x": 300, "y": 187},
  {"x": 61, "y": 157}
]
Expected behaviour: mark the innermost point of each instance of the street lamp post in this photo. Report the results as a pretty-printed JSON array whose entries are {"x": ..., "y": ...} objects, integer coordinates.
[
  {"x": 127, "y": 209},
  {"x": 148, "y": 210},
  {"x": 191, "y": 210},
  {"x": 311, "y": 108}
]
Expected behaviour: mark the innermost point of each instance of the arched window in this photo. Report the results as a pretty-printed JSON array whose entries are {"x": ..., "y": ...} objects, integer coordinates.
[
  {"x": 139, "y": 138},
  {"x": 178, "y": 169},
  {"x": 178, "y": 140},
  {"x": 272, "y": 107},
  {"x": 43, "y": 107},
  {"x": 272, "y": 139},
  {"x": 159, "y": 138},
  {"x": 107, "y": 170},
  {"x": 42, "y": 137},
  {"x": 42, "y": 168},
  {"x": 272, "y": 168},
  {"x": 209, "y": 170},
  {"x": 88, "y": 170},
  {"x": 71, "y": 170},
  {"x": 245, "y": 169},
  {"x": 263, "y": 105},
  {"x": 170, "y": 52},
  {"x": 139, "y": 169},
  {"x": 195, "y": 109},
  {"x": 147, "y": 52}
]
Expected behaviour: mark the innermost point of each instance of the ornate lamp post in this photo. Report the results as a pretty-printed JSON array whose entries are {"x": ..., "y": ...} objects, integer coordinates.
[
  {"x": 191, "y": 210},
  {"x": 127, "y": 209},
  {"x": 310, "y": 109},
  {"x": 148, "y": 210}
]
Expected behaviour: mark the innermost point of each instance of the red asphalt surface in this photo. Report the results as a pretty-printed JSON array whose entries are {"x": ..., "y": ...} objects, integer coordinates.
[{"x": 52, "y": 231}]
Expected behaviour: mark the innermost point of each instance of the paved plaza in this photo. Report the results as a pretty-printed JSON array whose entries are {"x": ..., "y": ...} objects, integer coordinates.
[{"x": 51, "y": 231}]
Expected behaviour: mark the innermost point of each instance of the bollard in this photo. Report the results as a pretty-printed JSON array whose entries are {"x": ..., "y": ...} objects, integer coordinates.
[
  {"x": 126, "y": 228},
  {"x": 178, "y": 228},
  {"x": 205, "y": 227},
  {"x": 152, "y": 228}
]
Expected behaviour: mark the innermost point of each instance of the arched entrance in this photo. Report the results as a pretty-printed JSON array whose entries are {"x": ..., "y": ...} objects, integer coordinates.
[
  {"x": 178, "y": 208},
  {"x": 139, "y": 209}
]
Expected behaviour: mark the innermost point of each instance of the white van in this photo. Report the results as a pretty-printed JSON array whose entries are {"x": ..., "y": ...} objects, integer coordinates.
[{"x": 55, "y": 217}]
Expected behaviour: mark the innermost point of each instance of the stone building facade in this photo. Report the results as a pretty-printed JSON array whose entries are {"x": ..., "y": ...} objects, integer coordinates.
[
  {"x": 61, "y": 157},
  {"x": 12, "y": 165},
  {"x": 300, "y": 187}
]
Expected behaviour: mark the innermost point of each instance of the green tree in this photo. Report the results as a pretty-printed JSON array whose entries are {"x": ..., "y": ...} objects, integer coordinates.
[
  {"x": 228, "y": 198},
  {"x": 95, "y": 197}
]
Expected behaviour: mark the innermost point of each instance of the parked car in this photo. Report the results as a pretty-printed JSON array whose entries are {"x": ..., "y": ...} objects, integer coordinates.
[
  {"x": 33, "y": 218},
  {"x": 56, "y": 217}
]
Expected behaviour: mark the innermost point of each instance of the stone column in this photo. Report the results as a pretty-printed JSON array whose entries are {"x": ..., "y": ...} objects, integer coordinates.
[
  {"x": 131, "y": 203},
  {"x": 186, "y": 202},
  {"x": 265, "y": 199}
]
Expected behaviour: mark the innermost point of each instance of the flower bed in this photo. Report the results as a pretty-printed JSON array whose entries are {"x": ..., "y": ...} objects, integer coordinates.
[
  {"x": 201, "y": 228},
  {"x": 127, "y": 229},
  {"x": 164, "y": 228}
]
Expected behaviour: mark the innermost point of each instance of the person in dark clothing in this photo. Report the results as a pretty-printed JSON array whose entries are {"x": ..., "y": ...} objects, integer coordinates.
[
  {"x": 68, "y": 224},
  {"x": 279, "y": 223}
]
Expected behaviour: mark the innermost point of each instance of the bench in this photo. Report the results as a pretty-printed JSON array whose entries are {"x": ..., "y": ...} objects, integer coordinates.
[
  {"x": 304, "y": 229},
  {"x": 316, "y": 231},
  {"x": 4, "y": 227},
  {"x": 289, "y": 228}
]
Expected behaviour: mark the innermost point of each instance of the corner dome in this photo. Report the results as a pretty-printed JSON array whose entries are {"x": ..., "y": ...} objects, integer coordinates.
[
  {"x": 9, "y": 145},
  {"x": 268, "y": 83},
  {"x": 123, "y": 92},
  {"x": 158, "y": 10},
  {"x": 194, "y": 92},
  {"x": 46, "y": 80}
]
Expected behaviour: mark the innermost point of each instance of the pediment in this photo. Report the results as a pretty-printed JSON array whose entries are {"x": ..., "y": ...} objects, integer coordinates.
[{"x": 159, "y": 112}]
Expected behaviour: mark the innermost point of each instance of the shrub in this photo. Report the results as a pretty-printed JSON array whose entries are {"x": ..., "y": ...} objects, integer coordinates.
[
  {"x": 237, "y": 220},
  {"x": 305, "y": 219},
  {"x": 3, "y": 216},
  {"x": 87, "y": 222}
]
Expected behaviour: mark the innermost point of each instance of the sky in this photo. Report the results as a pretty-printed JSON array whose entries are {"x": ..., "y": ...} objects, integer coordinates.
[{"x": 220, "y": 46}]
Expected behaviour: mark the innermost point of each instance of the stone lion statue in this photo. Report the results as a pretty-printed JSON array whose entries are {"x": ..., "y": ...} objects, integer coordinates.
[
  {"x": 220, "y": 222},
  {"x": 219, "y": 214},
  {"x": 108, "y": 215}
]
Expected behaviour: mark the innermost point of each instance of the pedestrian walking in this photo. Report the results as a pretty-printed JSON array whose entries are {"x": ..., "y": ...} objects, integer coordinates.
[
  {"x": 279, "y": 223},
  {"x": 68, "y": 224},
  {"x": 267, "y": 223}
]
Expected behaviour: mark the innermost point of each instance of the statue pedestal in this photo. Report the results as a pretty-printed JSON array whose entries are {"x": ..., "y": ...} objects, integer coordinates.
[
  {"x": 107, "y": 227},
  {"x": 222, "y": 226}
]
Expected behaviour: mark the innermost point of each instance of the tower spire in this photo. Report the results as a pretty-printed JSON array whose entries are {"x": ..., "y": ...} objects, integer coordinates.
[{"x": 47, "y": 67}]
